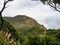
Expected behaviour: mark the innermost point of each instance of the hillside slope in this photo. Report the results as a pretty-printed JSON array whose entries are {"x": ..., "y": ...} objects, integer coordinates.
[
  {"x": 8, "y": 34},
  {"x": 25, "y": 24},
  {"x": 22, "y": 20}
]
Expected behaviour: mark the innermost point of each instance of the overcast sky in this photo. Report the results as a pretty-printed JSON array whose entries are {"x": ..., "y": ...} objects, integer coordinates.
[{"x": 44, "y": 14}]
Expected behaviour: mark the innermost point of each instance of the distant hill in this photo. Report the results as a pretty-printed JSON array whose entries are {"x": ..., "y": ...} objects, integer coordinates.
[
  {"x": 22, "y": 20},
  {"x": 25, "y": 24}
]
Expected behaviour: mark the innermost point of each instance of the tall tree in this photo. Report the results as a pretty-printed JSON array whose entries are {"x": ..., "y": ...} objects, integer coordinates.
[{"x": 4, "y": 6}]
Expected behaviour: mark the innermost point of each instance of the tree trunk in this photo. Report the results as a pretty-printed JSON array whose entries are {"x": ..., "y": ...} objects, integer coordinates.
[{"x": 1, "y": 21}]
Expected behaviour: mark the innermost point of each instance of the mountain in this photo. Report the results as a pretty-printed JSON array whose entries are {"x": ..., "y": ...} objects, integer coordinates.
[
  {"x": 24, "y": 23},
  {"x": 22, "y": 20}
]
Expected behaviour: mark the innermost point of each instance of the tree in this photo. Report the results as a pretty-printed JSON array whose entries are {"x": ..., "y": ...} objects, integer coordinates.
[
  {"x": 4, "y": 6},
  {"x": 52, "y": 3}
]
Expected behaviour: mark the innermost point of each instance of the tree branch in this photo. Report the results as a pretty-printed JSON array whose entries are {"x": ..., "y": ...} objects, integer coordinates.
[
  {"x": 5, "y": 2},
  {"x": 55, "y": 7}
]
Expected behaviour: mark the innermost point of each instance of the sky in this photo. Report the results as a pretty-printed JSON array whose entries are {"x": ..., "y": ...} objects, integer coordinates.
[{"x": 43, "y": 14}]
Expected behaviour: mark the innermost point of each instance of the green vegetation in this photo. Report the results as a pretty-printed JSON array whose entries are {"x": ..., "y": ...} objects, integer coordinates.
[{"x": 28, "y": 34}]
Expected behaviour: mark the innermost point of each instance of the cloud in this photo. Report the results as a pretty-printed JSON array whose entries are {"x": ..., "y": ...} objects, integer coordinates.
[{"x": 53, "y": 21}]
